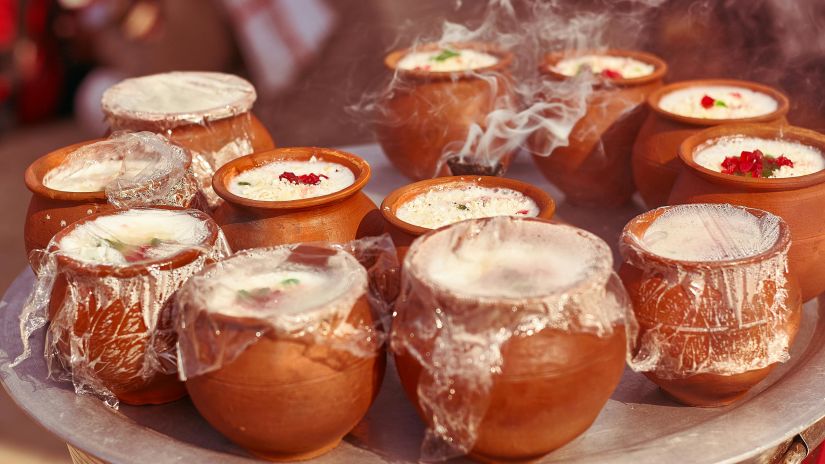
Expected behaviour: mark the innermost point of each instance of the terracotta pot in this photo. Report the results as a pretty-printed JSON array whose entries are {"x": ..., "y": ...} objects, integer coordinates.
[
  {"x": 338, "y": 217},
  {"x": 594, "y": 168},
  {"x": 112, "y": 334},
  {"x": 51, "y": 210},
  {"x": 281, "y": 395},
  {"x": 800, "y": 201},
  {"x": 714, "y": 346},
  {"x": 655, "y": 153},
  {"x": 426, "y": 112},
  {"x": 403, "y": 233},
  {"x": 536, "y": 403}
]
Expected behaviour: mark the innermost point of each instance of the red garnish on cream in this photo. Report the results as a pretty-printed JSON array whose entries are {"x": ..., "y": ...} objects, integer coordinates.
[
  {"x": 306, "y": 179},
  {"x": 708, "y": 102},
  {"x": 611, "y": 73},
  {"x": 754, "y": 163},
  {"x": 523, "y": 211}
]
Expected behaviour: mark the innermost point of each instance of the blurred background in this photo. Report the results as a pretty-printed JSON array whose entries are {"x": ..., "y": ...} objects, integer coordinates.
[{"x": 311, "y": 60}]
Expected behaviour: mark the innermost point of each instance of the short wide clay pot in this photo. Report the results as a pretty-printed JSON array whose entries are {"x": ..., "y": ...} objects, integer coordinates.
[
  {"x": 284, "y": 390},
  {"x": 425, "y": 112},
  {"x": 446, "y": 344},
  {"x": 338, "y": 217},
  {"x": 102, "y": 334},
  {"x": 656, "y": 151},
  {"x": 800, "y": 201},
  {"x": 594, "y": 168},
  {"x": 403, "y": 233},
  {"x": 709, "y": 331}
]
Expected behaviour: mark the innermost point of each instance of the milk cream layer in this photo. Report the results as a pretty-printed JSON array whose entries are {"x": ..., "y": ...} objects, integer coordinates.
[
  {"x": 92, "y": 175},
  {"x": 626, "y": 68},
  {"x": 806, "y": 159},
  {"x": 267, "y": 183},
  {"x": 727, "y": 102},
  {"x": 447, "y": 60}
]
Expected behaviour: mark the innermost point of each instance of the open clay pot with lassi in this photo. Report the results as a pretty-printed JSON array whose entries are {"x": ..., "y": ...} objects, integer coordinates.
[
  {"x": 291, "y": 195},
  {"x": 415, "y": 209},
  {"x": 127, "y": 169},
  {"x": 716, "y": 306},
  {"x": 593, "y": 169},
  {"x": 680, "y": 110},
  {"x": 777, "y": 169},
  {"x": 280, "y": 348},
  {"x": 208, "y": 113},
  {"x": 105, "y": 284},
  {"x": 509, "y": 336},
  {"x": 436, "y": 96}
]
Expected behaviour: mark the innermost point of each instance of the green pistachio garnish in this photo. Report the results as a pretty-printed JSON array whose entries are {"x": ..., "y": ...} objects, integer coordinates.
[
  {"x": 244, "y": 183},
  {"x": 445, "y": 55}
]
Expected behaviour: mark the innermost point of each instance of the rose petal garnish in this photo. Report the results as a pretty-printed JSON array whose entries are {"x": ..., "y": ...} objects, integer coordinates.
[
  {"x": 707, "y": 102},
  {"x": 611, "y": 73},
  {"x": 306, "y": 179}
]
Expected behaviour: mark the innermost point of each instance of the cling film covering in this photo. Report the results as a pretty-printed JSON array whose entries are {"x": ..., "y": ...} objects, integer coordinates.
[
  {"x": 710, "y": 289},
  {"x": 207, "y": 113},
  {"x": 469, "y": 288},
  {"x": 335, "y": 295},
  {"x": 133, "y": 168},
  {"x": 104, "y": 286}
]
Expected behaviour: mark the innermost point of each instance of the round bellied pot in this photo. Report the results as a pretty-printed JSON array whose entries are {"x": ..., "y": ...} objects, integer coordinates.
[
  {"x": 656, "y": 151},
  {"x": 517, "y": 198},
  {"x": 594, "y": 168},
  {"x": 509, "y": 336},
  {"x": 339, "y": 216},
  {"x": 800, "y": 200},
  {"x": 426, "y": 113},
  {"x": 115, "y": 274},
  {"x": 279, "y": 349},
  {"x": 53, "y": 208},
  {"x": 716, "y": 306},
  {"x": 208, "y": 113}
]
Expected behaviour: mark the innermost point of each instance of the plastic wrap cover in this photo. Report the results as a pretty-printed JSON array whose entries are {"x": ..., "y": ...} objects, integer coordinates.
[
  {"x": 301, "y": 292},
  {"x": 103, "y": 336},
  {"x": 722, "y": 309},
  {"x": 219, "y": 103},
  {"x": 457, "y": 336},
  {"x": 150, "y": 170}
]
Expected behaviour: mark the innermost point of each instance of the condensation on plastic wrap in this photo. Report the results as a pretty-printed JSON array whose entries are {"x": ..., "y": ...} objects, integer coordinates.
[
  {"x": 233, "y": 303},
  {"x": 457, "y": 336},
  {"x": 106, "y": 321},
  {"x": 723, "y": 307},
  {"x": 151, "y": 171},
  {"x": 207, "y": 113}
]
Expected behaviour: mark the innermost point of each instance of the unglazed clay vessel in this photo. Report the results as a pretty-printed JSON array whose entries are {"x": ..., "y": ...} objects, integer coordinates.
[
  {"x": 284, "y": 391},
  {"x": 710, "y": 348},
  {"x": 536, "y": 403},
  {"x": 423, "y": 112},
  {"x": 403, "y": 233},
  {"x": 656, "y": 150},
  {"x": 594, "y": 168},
  {"x": 800, "y": 201},
  {"x": 114, "y": 333},
  {"x": 51, "y": 210},
  {"x": 338, "y": 217}
]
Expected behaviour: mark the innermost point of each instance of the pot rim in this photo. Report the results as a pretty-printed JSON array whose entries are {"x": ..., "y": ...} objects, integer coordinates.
[
  {"x": 659, "y": 71},
  {"x": 230, "y": 170},
  {"x": 505, "y": 59},
  {"x": 401, "y": 195},
  {"x": 175, "y": 261},
  {"x": 37, "y": 170},
  {"x": 631, "y": 240},
  {"x": 791, "y": 133},
  {"x": 783, "y": 104}
]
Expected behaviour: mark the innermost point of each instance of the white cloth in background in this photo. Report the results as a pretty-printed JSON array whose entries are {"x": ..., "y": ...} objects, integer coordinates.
[{"x": 279, "y": 37}]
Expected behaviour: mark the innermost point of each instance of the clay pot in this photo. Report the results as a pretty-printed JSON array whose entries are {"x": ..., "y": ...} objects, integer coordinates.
[
  {"x": 655, "y": 153},
  {"x": 282, "y": 396},
  {"x": 594, "y": 168},
  {"x": 713, "y": 347},
  {"x": 112, "y": 334},
  {"x": 536, "y": 403},
  {"x": 797, "y": 200},
  {"x": 425, "y": 112},
  {"x": 51, "y": 210},
  {"x": 338, "y": 217},
  {"x": 403, "y": 233}
]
